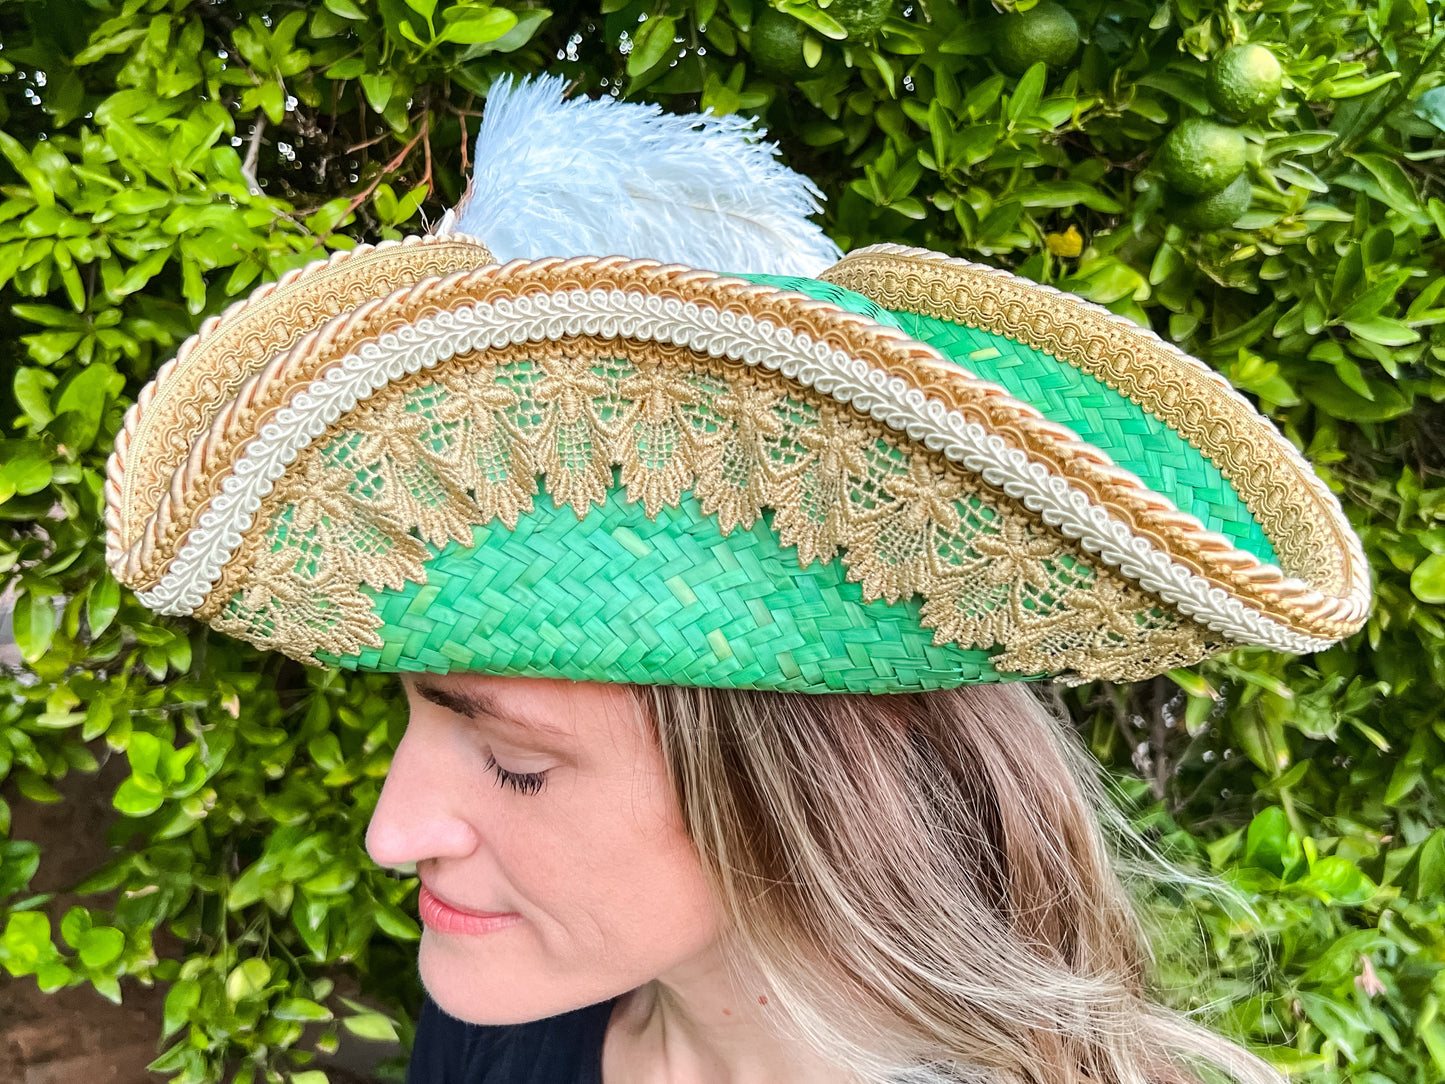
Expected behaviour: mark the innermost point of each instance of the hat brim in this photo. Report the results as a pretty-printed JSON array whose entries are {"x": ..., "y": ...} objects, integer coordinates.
[{"x": 372, "y": 469}]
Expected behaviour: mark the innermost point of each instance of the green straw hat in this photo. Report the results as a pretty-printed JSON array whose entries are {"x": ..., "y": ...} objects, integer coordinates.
[{"x": 894, "y": 471}]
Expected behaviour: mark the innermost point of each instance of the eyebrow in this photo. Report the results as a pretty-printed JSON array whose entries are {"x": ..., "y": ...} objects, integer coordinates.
[{"x": 475, "y": 704}]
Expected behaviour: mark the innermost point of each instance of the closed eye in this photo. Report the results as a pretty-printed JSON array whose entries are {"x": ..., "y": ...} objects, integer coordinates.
[{"x": 521, "y": 782}]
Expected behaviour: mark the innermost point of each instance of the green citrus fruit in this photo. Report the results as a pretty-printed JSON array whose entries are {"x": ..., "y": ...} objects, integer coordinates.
[
  {"x": 1244, "y": 80},
  {"x": 1045, "y": 32},
  {"x": 860, "y": 18},
  {"x": 1218, "y": 211},
  {"x": 1199, "y": 157},
  {"x": 777, "y": 45}
]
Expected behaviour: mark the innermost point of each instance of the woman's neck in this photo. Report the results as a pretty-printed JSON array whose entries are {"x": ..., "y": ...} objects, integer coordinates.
[{"x": 699, "y": 1025}]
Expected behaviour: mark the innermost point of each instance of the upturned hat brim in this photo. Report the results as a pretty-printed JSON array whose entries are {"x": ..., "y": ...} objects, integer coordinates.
[{"x": 1101, "y": 506}]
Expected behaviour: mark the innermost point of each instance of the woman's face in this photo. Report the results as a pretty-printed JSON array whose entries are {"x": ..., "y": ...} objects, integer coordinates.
[{"x": 542, "y": 810}]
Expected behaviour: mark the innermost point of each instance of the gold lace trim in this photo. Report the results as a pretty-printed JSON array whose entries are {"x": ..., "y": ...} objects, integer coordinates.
[
  {"x": 423, "y": 460},
  {"x": 212, "y": 364},
  {"x": 1301, "y": 519}
]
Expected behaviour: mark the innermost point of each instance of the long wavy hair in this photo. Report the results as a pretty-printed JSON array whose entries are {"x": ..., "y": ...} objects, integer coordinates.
[{"x": 922, "y": 882}]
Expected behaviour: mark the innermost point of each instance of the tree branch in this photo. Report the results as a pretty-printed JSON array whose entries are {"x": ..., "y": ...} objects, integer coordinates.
[
  {"x": 394, "y": 164},
  {"x": 253, "y": 154}
]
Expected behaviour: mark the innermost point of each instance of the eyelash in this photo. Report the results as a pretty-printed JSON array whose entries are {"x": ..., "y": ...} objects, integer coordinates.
[{"x": 521, "y": 782}]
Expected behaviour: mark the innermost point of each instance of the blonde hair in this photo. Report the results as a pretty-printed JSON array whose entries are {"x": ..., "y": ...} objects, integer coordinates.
[{"x": 921, "y": 881}]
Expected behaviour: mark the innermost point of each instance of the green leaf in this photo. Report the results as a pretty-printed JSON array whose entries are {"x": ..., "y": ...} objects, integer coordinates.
[
  {"x": 273, "y": 101},
  {"x": 1026, "y": 94},
  {"x": 145, "y": 751},
  {"x": 1188, "y": 91},
  {"x": 247, "y": 979},
  {"x": 406, "y": 30},
  {"x": 651, "y": 44},
  {"x": 28, "y": 930},
  {"x": 395, "y": 923},
  {"x": 23, "y": 470},
  {"x": 99, "y": 714},
  {"x": 528, "y": 23},
  {"x": 1431, "y": 866},
  {"x": 108, "y": 45},
  {"x": 812, "y": 51},
  {"x": 1383, "y": 330},
  {"x": 14, "y": 152},
  {"x": 31, "y": 387},
  {"x": 1293, "y": 173},
  {"x": 101, "y": 604},
  {"x": 1397, "y": 186},
  {"x": 246, "y": 889},
  {"x": 18, "y": 862},
  {"x": 302, "y": 1009},
  {"x": 371, "y": 1026},
  {"x": 1066, "y": 194},
  {"x": 1427, "y": 582},
  {"x": 51, "y": 976},
  {"x": 183, "y": 998},
  {"x": 141, "y": 273},
  {"x": 86, "y": 396},
  {"x": 1354, "y": 86},
  {"x": 818, "y": 19},
  {"x": 349, "y": 68},
  {"x": 1299, "y": 143},
  {"x": 33, "y": 620},
  {"x": 1271, "y": 844},
  {"x": 1431, "y": 106},
  {"x": 137, "y": 798},
  {"x": 1339, "y": 881},
  {"x": 477, "y": 26},
  {"x": 334, "y": 881},
  {"x": 378, "y": 89},
  {"x": 35, "y": 788},
  {"x": 101, "y": 946},
  {"x": 1432, "y": 1034}
]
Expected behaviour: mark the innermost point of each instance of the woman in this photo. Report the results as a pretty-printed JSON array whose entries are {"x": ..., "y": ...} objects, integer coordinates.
[
  {"x": 653, "y": 839},
  {"x": 766, "y": 886}
]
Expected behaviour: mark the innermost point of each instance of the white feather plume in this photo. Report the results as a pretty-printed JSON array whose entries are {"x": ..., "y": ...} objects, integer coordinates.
[{"x": 600, "y": 178}]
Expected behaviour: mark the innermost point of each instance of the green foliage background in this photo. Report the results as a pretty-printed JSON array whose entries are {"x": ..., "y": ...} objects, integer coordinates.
[{"x": 159, "y": 158}]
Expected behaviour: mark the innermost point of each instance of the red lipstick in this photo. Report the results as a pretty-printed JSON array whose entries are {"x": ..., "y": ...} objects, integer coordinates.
[{"x": 445, "y": 918}]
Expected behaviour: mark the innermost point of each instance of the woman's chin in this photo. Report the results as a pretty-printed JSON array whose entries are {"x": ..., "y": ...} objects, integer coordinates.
[{"x": 496, "y": 991}]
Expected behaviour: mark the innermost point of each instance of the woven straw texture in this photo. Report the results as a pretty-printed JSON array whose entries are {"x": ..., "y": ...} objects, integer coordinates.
[
  {"x": 617, "y": 597},
  {"x": 1132, "y": 437}
]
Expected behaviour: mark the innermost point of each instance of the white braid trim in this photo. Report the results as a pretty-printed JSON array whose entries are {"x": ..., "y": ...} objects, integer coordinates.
[{"x": 738, "y": 336}]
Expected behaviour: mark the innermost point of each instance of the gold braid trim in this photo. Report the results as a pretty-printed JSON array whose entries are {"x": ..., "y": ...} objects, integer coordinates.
[
  {"x": 884, "y": 349},
  {"x": 419, "y": 463},
  {"x": 213, "y": 363},
  {"x": 1302, "y": 519}
]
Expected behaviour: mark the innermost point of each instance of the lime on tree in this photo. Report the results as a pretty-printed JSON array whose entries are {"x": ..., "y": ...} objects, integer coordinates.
[
  {"x": 1045, "y": 32},
  {"x": 860, "y": 19},
  {"x": 1199, "y": 157},
  {"x": 1215, "y": 212},
  {"x": 1244, "y": 80},
  {"x": 777, "y": 45}
]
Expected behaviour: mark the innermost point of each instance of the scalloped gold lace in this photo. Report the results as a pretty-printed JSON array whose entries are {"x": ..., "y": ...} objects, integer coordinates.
[{"x": 428, "y": 457}]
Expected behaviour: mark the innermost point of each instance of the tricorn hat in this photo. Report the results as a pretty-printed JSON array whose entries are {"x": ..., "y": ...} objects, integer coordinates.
[{"x": 724, "y": 457}]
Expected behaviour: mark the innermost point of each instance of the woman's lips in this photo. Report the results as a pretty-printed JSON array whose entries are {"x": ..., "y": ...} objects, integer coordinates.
[{"x": 445, "y": 918}]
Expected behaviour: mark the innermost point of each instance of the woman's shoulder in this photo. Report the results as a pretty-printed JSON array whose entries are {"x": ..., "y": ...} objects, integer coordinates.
[{"x": 564, "y": 1049}]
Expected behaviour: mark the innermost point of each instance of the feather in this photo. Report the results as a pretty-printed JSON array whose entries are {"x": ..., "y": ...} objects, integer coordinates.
[{"x": 583, "y": 177}]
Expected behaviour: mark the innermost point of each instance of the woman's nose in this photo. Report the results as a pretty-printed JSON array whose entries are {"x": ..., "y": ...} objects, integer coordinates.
[{"x": 420, "y": 812}]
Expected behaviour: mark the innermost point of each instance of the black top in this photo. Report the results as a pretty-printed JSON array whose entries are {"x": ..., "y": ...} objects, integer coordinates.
[{"x": 564, "y": 1049}]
